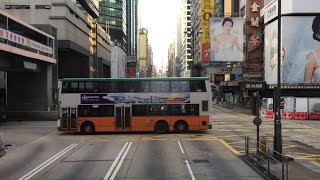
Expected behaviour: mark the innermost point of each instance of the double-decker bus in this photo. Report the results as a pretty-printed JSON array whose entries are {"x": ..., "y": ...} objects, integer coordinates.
[{"x": 162, "y": 105}]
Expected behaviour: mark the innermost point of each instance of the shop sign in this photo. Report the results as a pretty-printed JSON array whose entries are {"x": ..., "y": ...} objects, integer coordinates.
[
  {"x": 255, "y": 85},
  {"x": 271, "y": 11},
  {"x": 13, "y": 37},
  {"x": 254, "y": 20},
  {"x": 224, "y": 83}
]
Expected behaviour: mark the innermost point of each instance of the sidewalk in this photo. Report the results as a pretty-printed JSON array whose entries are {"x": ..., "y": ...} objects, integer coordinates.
[{"x": 306, "y": 166}]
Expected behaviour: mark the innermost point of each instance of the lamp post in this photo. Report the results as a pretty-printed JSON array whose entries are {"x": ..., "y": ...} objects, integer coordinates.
[{"x": 277, "y": 144}]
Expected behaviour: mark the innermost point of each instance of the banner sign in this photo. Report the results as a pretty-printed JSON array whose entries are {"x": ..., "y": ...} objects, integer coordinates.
[{"x": 8, "y": 35}]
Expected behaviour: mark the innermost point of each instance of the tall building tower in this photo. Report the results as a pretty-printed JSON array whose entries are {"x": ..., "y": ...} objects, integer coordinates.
[
  {"x": 132, "y": 27},
  {"x": 184, "y": 53},
  {"x": 120, "y": 18},
  {"x": 142, "y": 52},
  {"x": 149, "y": 61},
  {"x": 113, "y": 17},
  {"x": 171, "y": 60}
]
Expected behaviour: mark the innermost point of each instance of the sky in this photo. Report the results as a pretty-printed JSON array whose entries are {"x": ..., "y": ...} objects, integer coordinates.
[{"x": 160, "y": 18}]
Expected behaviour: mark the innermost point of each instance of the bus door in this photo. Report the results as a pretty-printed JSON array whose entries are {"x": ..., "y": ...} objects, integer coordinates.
[
  {"x": 123, "y": 116},
  {"x": 68, "y": 120}
]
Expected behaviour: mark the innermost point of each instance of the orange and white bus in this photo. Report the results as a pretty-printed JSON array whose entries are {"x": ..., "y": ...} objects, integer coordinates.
[{"x": 162, "y": 105}]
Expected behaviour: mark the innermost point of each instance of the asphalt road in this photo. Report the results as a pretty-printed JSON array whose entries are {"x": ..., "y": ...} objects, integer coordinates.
[
  {"x": 38, "y": 151},
  {"x": 300, "y": 139}
]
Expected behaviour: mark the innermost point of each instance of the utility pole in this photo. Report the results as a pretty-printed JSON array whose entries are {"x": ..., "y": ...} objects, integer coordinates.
[{"x": 277, "y": 144}]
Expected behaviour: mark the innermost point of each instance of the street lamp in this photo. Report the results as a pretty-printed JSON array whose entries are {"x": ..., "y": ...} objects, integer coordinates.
[{"x": 277, "y": 144}]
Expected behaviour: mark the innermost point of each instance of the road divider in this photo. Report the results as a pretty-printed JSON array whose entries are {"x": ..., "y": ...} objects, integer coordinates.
[{"x": 47, "y": 162}]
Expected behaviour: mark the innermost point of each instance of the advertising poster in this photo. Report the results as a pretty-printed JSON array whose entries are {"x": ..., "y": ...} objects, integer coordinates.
[
  {"x": 226, "y": 39},
  {"x": 300, "y": 52},
  {"x": 301, "y": 104},
  {"x": 207, "y": 8},
  {"x": 270, "y": 53},
  {"x": 289, "y": 104},
  {"x": 113, "y": 98},
  {"x": 314, "y": 105}
]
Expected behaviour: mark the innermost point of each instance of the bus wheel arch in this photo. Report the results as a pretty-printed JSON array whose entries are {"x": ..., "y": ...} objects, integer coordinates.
[
  {"x": 161, "y": 127},
  {"x": 87, "y": 127},
  {"x": 181, "y": 126}
]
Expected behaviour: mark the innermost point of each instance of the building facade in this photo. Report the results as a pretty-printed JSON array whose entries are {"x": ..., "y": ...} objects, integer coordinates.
[
  {"x": 142, "y": 53},
  {"x": 149, "y": 61},
  {"x": 28, "y": 78},
  {"x": 184, "y": 41},
  {"x": 172, "y": 60},
  {"x": 113, "y": 17},
  {"x": 83, "y": 48}
]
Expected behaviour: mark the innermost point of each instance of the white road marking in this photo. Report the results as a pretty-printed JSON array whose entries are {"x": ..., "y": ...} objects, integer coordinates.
[
  {"x": 47, "y": 162},
  {"x": 120, "y": 163},
  {"x": 106, "y": 177},
  {"x": 181, "y": 147},
  {"x": 190, "y": 171}
]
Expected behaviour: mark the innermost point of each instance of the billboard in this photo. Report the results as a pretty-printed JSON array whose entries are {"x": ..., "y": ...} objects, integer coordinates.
[
  {"x": 270, "y": 52},
  {"x": 300, "y": 52},
  {"x": 207, "y": 8},
  {"x": 226, "y": 39}
]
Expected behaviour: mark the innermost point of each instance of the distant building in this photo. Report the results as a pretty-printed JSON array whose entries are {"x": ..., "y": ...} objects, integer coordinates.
[
  {"x": 120, "y": 18},
  {"x": 142, "y": 52},
  {"x": 118, "y": 62},
  {"x": 171, "y": 60},
  {"x": 184, "y": 41},
  {"x": 149, "y": 61}
]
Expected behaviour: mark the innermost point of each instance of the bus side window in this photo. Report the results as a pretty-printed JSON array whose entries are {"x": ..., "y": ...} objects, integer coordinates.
[{"x": 197, "y": 86}]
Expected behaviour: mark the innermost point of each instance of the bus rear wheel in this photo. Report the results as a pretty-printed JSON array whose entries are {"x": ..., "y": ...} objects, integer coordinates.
[
  {"x": 87, "y": 128},
  {"x": 161, "y": 127},
  {"x": 181, "y": 127}
]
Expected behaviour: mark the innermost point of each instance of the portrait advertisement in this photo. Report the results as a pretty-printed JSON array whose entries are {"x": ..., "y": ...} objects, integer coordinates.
[
  {"x": 271, "y": 53},
  {"x": 301, "y": 46},
  {"x": 226, "y": 39}
]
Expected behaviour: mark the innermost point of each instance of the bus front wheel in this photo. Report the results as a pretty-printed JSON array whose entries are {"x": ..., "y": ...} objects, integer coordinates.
[
  {"x": 87, "y": 128},
  {"x": 181, "y": 127},
  {"x": 161, "y": 127}
]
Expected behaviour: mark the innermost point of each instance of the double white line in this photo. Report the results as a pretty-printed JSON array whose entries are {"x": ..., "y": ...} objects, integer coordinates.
[
  {"x": 47, "y": 162},
  {"x": 122, "y": 154}
]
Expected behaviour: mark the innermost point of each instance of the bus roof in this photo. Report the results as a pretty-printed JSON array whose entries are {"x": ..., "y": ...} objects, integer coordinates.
[{"x": 137, "y": 79}]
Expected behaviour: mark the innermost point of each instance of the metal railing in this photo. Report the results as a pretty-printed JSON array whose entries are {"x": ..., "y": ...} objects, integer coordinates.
[{"x": 267, "y": 159}]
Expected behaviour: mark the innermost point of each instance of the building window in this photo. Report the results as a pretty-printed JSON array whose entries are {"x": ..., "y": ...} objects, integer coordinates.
[
  {"x": 17, "y": 6},
  {"x": 42, "y": 7}
]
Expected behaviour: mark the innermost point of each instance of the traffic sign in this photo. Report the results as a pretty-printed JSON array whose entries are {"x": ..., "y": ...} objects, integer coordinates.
[{"x": 257, "y": 121}]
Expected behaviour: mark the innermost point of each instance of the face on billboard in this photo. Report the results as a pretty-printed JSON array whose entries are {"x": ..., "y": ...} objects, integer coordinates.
[
  {"x": 226, "y": 39},
  {"x": 300, "y": 52}
]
